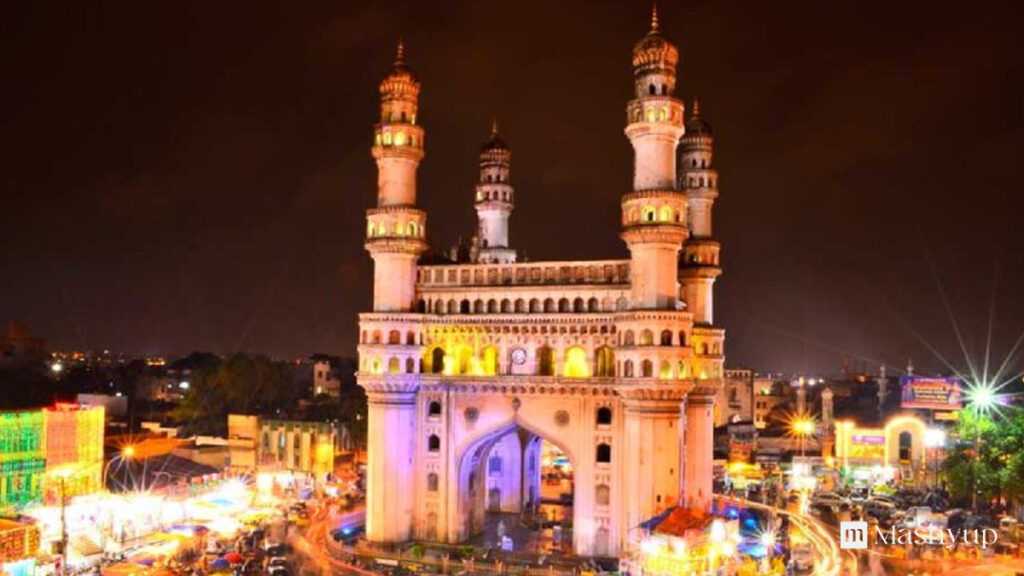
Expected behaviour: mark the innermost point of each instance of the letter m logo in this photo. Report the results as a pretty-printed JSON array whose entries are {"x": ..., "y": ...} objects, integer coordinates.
[{"x": 853, "y": 535}]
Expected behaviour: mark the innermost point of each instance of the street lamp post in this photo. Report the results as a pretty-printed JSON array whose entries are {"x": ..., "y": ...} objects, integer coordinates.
[{"x": 982, "y": 398}]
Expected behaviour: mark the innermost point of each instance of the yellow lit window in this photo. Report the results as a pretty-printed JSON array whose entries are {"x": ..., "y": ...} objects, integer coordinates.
[
  {"x": 666, "y": 214},
  {"x": 370, "y": 229},
  {"x": 576, "y": 363},
  {"x": 400, "y": 139},
  {"x": 663, "y": 114},
  {"x": 649, "y": 213},
  {"x": 377, "y": 139},
  {"x": 650, "y": 114},
  {"x": 412, "y": 229},
  {"x": 387, "y": 138}
]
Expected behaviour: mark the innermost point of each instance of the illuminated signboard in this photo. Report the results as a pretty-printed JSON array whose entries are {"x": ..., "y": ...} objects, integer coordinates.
[
  {"x": 869, "y": 439},
  {"x": 931, "y": 393}
]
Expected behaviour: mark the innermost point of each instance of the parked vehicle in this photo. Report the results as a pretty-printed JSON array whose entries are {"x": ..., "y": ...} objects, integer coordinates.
[{"x": 881, "y": 510}]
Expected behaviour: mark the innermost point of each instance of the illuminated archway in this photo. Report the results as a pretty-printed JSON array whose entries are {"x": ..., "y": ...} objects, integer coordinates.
[
  {"x": 576, "y": 365},
  {"x": 604, "y": 360},
  {"x": 489, "y": 361}
]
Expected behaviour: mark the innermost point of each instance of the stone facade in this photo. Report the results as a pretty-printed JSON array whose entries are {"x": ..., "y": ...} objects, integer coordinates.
[{"x": 616, "y": 362}]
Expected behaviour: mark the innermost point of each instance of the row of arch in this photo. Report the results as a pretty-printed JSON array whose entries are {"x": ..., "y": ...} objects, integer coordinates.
[
  {"x": 520, "y": 306},
  {"x": 398, "y": 139},
  {"x": 484, "y": 195},
  {"x": 398, "y": 229},
  {"x": 650, "y": 214},
  {"x": 575, "y": 364},
  {"x": 700, "y": 182},
  {"x": 666, "y": 338},
  {"x": 626, "y": 338}
]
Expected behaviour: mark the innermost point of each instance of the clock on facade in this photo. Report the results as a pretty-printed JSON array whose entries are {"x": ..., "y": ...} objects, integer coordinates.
[{"x": 518, "y": 356}]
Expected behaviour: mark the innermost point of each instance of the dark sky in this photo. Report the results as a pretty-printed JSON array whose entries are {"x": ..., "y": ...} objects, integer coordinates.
[{"x": 193, "y": 175}]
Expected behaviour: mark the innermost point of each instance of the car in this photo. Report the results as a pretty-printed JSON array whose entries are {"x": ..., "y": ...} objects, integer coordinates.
[
  {"x": 881, "y": 509},
  {"x": 276, "y": 550},
  {"x": 830, "y": 498}
]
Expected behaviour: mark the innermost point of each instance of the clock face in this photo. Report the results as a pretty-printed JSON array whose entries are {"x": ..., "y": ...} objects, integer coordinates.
[{"x": 519, "y": 355}]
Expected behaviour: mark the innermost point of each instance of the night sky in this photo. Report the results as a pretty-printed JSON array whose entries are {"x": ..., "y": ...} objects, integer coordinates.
[{"x": 193, "y": 175}]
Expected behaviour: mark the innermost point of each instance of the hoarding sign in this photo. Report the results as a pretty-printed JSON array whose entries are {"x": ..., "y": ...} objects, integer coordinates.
[{"x": 931, "y": 393}]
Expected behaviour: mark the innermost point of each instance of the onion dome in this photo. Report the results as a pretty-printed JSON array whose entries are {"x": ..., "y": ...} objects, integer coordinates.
[
  {"x": 495, "y": 142},
  {"x": 695, "y": 125},
  {"x": 654, "y": 52},
  {"x": 401, "y": 77}
]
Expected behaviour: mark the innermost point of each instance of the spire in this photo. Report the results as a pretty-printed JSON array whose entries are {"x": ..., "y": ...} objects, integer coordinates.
[
  {"x": 400, "y": 55},
  {"x": 654, "y": 17},
  {"x": 696, "y": 106},
  {"x": 494, "y": 127}
]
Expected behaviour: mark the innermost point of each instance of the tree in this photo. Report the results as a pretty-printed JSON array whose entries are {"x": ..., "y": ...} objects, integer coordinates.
[
  {"x": 988, "y": 455},
  {"x": 241, "y": 383}
]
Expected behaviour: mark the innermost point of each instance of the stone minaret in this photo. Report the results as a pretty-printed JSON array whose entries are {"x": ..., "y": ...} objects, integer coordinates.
[
  {"x": 395, "y": 229},
  {"x": 699, "y": 266},
  {"x": 395, "y": 239},
  {"x": 654, "y": 213},
  {"x": 828, "y": 433},
  {"x": 494, "y": 201}
]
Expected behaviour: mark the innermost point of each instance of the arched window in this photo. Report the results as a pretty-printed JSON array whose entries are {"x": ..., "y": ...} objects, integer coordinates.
[
  {"x": 604, "y": 416},
  {"x": 478, "y": 307},
  {"x": 545, "y": 361},
  {"x": 494, "y": 465},
  {"x": 363, "y": 339},
  {"x": 647, "y": 338},
  {"x": 394, "y": 366},
  {"x": 563, "y": 305},
  {"x": 375, "y": 366},
  {"x": 906, "y": 444},
  {"x": 412, "y": 229},
  {"x": 593, "y": 305},
  {"x": 682, "y": 338},
  {"x": 422, "y": 307},
  {"x": 437, "y": 360},
  {"x": 604, "y": 360},
  {"x": 682, "y": 369},
  {"x": 410, "y": 338},
  {"x": 665, "y": 371},
  {"x": 432, "y": 482},
  {"x": 549, "y": 305},
  {"x": 394, "y": 337},
  {"x": 629, "y": 339},
  {"x": 627, "y": 369},
  {"x": 266, "y": 442},
  {"x": 534, "y": 305},
  {"x": 578, "y": 305},
  {"x": 622, "y": 304},
  {"x": 410, "y": 366},
  {"x": 434, "y": 410},
  {"x": 576, "y": 363},
  {"x": 506, "y": 305},
  {"x": 492, "y": 306},
  {"x": 666, "y": 214},
  {"x": 646, "y": 369},
  {"x": 387, "y": 138},
  {"x": 604, "y": 453},
  {"x": 649, "y": 213},
  {"x": 376, "y": 337},
  {"x": 520, "y": 305},
  {"x": 434, "y": 443},
  {"x": 663, "y": 113},
  {"x": 489, "y": 361},
  {"x": 652, "y": 90},
  {"x": 464, "y": 306},
  {"x": 602, "y": 495},
  {"x": 666, "y": 337},
  {"x": 371, "y": 230}
]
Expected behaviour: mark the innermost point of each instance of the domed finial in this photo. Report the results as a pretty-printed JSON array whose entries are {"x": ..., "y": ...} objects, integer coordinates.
[
  {"x": 654, "y": 18},
  {"x": 696, "y": 106},
  {"x": 400, "y": 55},
  {"x": 494, "y": 127}
]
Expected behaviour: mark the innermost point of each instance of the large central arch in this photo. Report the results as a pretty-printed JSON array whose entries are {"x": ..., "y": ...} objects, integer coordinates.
[{"x": 473, "y": 500}]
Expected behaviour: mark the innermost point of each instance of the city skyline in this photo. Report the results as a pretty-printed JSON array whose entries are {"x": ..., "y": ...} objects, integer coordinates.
[{"x": 221, "y": 208}]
